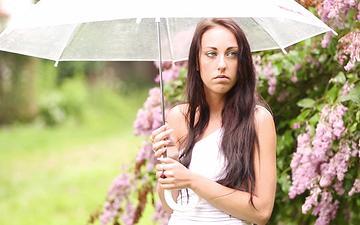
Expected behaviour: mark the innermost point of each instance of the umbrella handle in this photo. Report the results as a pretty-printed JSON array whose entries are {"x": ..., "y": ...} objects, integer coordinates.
[{"x": 178, "y": 207}]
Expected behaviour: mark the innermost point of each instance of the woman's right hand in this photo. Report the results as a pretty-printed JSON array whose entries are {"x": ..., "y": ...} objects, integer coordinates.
[{"x": 160, "y": 139}]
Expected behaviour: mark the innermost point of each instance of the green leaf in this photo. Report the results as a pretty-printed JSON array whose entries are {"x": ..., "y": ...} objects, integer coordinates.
[
  {"x": 314, "y": 119},
  {"x": 353, "y": 128},
  {"x": 306, "y": 103},
  {"x": 332, "y": 94},
  {"x": 302, "y": 116},
  {"x": 284, "y": 182},
  {"x": 354, "y": 95},
  {"x": 339, "y": 78}
]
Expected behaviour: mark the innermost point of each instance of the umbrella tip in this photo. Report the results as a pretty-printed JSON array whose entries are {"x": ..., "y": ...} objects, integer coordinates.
[
  {"x": 56, "y": 63},
  {"x": 334, "y": 32},
  {"x": 284, "y": 51}
]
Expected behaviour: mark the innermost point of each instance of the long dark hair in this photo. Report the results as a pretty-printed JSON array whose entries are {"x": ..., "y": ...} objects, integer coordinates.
[{"x": 239, "y": 137}]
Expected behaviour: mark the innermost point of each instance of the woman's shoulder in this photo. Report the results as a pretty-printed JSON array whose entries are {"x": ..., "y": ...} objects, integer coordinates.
[
  {"x": 177, "y": 112},
  {"x": 264, "y": 117},
  {"x": 175, "y": 117},
  {"x": 261, "y": 111}
]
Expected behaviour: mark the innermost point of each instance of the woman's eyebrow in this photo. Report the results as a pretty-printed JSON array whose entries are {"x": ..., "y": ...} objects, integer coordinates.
[{"x": 232, "y": 47}]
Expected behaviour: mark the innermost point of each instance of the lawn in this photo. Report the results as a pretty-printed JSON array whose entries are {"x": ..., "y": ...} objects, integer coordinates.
[{"x": 58, "y": 176}]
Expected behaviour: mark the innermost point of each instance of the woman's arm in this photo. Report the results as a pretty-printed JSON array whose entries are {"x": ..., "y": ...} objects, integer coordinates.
[
  {"x": 236, "y": 203},
  {"x": 173, "y": 119}
]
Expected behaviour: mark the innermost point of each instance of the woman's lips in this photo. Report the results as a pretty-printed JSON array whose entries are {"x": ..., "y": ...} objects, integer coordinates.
[{"x": 222, "y": 77}]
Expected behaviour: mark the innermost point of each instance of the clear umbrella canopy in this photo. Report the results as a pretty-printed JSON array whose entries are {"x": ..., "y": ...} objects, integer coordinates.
[{"x": 109, "y": 30}]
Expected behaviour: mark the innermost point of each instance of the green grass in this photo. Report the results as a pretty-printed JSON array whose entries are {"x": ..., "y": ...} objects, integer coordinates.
[{"x": 60, "y": 175}]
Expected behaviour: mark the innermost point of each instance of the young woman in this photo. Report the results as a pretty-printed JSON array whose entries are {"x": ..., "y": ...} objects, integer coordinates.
[{"x": 221, "y": 144}]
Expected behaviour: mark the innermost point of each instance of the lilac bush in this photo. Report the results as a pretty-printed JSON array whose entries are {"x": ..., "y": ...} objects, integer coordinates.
[{"x": 314, "y": 93}]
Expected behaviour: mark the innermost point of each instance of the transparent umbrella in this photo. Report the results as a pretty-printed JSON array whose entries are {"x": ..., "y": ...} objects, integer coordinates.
[{"x": 144, "y": 30}]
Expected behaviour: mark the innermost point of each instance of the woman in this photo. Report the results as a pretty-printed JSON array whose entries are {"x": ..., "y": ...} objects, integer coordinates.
[{"x": 221, "y": 144}]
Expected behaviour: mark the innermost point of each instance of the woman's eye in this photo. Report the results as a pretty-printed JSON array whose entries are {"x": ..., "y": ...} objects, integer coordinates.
[
  {"x": 210, "y": 54},
  {"x": 232, "y": 53}
]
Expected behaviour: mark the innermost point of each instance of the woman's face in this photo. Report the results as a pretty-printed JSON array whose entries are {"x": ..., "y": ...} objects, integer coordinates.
[{"x": 218, "y": 60}]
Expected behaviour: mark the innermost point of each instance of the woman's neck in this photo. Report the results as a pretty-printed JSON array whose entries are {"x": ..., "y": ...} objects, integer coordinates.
[{"x": 216, "y": 104}]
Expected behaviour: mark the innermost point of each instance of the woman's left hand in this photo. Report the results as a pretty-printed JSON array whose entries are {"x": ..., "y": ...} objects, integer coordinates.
[{"x": 177, "y": 175}]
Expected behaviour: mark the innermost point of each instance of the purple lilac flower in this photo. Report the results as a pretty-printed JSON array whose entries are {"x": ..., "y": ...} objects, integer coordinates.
[
  {"x": 337, "y": 166},
  {"x": 346, "y": 88},
  {"x": 149, "y": 117},
  {"x": 160, "y": 215},
  {"x": 303, "y": 172},
  {"x": 128, "y": 216},
  {"x": 145, "y": 152},
  {"x": 119, "y": 189},
  {"x": 311, "y": 200},
  {"x": 312, "y": 154},
  {"x": 269, "y": 74},
  {"x": 334, "y": 13},
  {"x": 355, "y": 188},
  {"x": 349, "y": 50},
  {"x": 169, "y": 75},
  {"x": 326, "y": 209}
]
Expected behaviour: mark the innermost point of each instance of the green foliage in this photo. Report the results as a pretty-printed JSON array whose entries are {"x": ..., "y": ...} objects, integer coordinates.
[{"x": 320, "y": 80}]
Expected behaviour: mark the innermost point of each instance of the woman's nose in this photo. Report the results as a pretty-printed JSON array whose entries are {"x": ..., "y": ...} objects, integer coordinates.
[{"x": 221, "y": 63}]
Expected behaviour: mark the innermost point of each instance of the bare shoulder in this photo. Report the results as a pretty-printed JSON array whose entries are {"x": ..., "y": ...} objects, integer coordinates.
[
  {"x": 262, "y": 114},
  {"x": 175, "y": 118},
  {"x": 264, "y": 120}
]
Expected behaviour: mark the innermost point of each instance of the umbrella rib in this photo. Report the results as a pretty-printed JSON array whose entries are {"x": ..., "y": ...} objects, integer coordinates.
[
  {"x": 71, "y": 37},
  {"x": 269, "y": 33}
]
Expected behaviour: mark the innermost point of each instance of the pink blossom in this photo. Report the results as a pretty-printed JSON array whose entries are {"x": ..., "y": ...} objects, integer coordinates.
[
  {"x": 349, "y": 50},
  {"x": 128, "y": 216},
  {"x": 295, "y": 126},
  {"x": 326, "y": 209},
  {"x": 346, "y": 88},
  {"x": 313, "y": 153},
  {"x": 334, "y": 12},
  {"x": 303, "y": 172},
  {"x": 119, "y": 190},
  {"x": 149, "y": 117},
  {"x": 145, "y": 152},
  {"x": 338, "y": 187},
  {"x": 326, "y": 39},
  {"x": 337, "y": 166},
  {"x": 269, "y": 74},
  {"x": 160, "y": 215},
  {"x": 311, "y": 200},
  {"x": 355, "y": 188},
  {"x": 294, "y": 78},
  {"x": 169, "y": 75},
  {"x": 165, "y": 64}
]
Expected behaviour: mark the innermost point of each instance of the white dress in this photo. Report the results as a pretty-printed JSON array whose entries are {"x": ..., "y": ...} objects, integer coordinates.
[{"x": 207, "y": 161}]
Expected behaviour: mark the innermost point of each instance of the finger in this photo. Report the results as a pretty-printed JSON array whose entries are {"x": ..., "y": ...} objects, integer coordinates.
[
  {"x": 168, "y": 186},
  {"x": 154, "y": 133},
  {"x": 163, "y": 166},
  {"x": 168, "y": 180},
  {"x": 167, "y": 173},
  {"x": 162, "y": 144},
  {"x": 164, "y": 135},
  {"x": 167, "y": 160},
  {"x": 160, "y": 152}
]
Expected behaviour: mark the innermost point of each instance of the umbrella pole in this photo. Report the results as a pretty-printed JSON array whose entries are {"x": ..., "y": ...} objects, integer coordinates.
[{"x": 157, "y": 20}]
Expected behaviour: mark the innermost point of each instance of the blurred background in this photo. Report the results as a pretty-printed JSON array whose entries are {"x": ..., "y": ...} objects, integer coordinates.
[
  {"x": 73, "y": 138},
  {"x": 64, "y": 132}
]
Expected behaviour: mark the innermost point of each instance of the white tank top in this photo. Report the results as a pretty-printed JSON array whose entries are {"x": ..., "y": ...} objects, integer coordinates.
[{"x": 208, "y": 161}]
